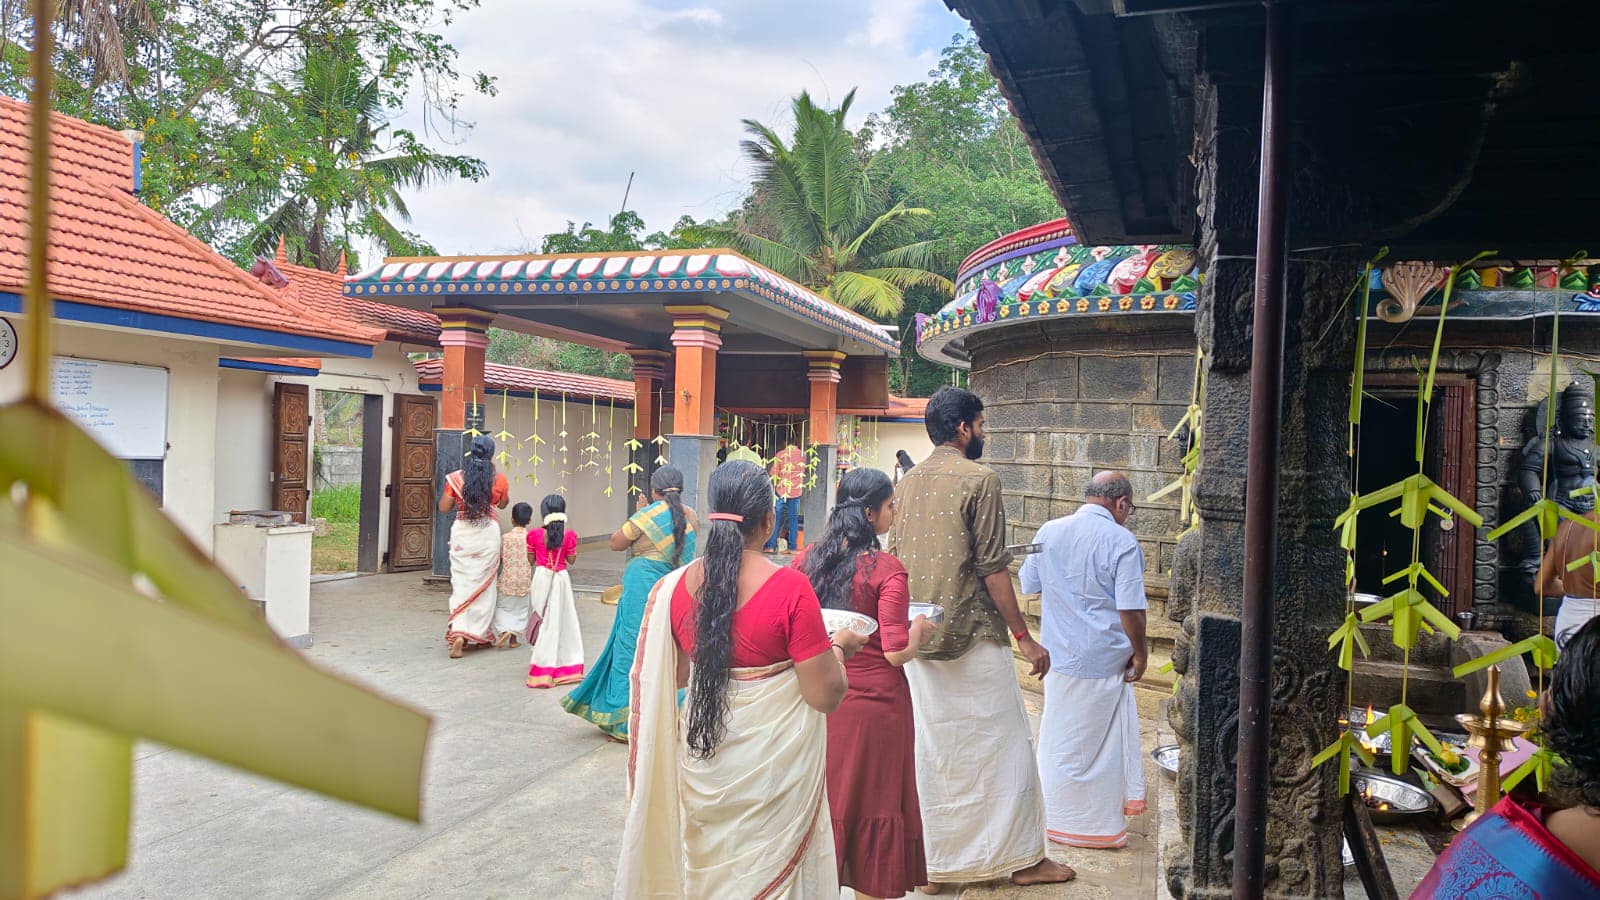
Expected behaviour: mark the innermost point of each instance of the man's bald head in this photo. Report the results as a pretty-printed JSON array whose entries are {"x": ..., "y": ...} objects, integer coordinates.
[
  {"x": 1106, "y": 488},
  {"x": 1113, "y": 491}
]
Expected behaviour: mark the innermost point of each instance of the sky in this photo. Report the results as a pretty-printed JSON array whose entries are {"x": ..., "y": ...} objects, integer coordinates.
[{"x": 590, "y": 90}]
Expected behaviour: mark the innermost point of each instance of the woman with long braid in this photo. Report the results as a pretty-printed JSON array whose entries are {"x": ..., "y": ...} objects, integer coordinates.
[
  {"x": 661, "y": 536},
  {"x": 729, "y": 799},
  {"x": 872, "y": 761},
  {"x": 474, "y": 492}
]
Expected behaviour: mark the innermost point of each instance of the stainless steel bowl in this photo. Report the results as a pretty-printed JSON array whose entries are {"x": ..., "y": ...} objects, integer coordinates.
[
  {"x": 1166, "y": 756},
  {"x": 1400, "y": 800},
  {"x": 1025, "y": 549},
  {"x": 933, "y": 611}
]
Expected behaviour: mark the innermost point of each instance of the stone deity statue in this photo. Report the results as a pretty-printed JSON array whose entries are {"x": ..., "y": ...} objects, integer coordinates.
[{"x": 1571, "y": 465}]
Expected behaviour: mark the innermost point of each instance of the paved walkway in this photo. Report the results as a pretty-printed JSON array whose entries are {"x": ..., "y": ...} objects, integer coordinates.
[{"x": 520, "y": 799}]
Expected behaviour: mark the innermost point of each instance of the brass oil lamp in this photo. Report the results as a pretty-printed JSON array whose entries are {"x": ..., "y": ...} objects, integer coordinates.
[{"x": 1492, "y": 734}]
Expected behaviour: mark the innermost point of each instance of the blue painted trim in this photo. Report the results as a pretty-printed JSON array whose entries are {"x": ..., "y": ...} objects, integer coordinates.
[
  {"x": 138, "y": 167},
  {"x": 70, "y": 311},
  {"x": 1070, "y": 240},
  {"x": 907, "y": 420},
  {"x": 490, "y": 393},
  {"x": 253, "y": 366}
]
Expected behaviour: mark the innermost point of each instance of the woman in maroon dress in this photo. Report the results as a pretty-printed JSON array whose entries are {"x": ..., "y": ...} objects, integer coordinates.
[{"x": 872, "y": 772}]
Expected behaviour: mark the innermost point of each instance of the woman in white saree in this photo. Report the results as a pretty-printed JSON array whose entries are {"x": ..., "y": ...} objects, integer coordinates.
[{"x": 729, "y": 798}]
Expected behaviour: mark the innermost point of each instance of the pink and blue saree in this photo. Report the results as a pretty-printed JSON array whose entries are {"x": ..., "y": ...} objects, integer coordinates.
[{"x": 1508, "y": 853}]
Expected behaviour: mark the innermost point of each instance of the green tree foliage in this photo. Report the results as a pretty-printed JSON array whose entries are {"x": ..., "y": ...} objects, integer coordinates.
[
  {"x": 266, "y": 117},
  {"x": 822, "y": 213},
  {"x": 950, "y": 144}
]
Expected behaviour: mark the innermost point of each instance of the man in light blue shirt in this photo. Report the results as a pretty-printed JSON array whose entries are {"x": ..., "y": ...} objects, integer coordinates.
[{"x": 1090, "y": 572}]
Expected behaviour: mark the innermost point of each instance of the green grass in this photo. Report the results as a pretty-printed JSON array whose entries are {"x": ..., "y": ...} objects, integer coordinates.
[
  {"x": 335, "y": 552},
  {"x": 337, "y": 504}
]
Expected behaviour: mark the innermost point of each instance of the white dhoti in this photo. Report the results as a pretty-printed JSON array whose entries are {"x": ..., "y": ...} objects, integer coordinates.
[
  {"x": 1089, "y": 760},
  {"x": 982, "y": 810},
  {"x": 1574, "y": 612}
]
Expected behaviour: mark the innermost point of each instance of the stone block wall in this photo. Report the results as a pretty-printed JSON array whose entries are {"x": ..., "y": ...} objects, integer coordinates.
[{"x": 1060, "y": 407}]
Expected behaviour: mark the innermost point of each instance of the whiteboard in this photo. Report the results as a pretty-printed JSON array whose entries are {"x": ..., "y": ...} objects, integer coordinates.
[{"x": 124, "y": 407}]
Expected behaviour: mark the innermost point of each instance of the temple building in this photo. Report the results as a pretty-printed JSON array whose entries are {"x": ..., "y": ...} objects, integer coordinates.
[
  {"x": 722, "y": 349},
  {"x": 1435, "y": 130}
]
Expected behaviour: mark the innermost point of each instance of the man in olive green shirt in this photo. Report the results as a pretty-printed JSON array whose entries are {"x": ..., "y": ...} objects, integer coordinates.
[{"x": 982, "y": 805}]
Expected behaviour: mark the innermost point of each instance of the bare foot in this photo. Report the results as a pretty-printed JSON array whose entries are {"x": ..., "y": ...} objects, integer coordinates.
[
  {"x": 456, "y": 647},
  {"x": 1045, "y": 871},
  {"x": 932, "y": 888}
]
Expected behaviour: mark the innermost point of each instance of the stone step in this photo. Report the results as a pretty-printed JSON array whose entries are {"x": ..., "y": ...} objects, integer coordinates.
[{"x": 1431, "y": 690}]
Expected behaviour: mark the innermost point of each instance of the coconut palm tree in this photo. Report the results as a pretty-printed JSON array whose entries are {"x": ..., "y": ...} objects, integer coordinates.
[
  {"x": 349, "y": 184},
  {"x": 820, "y": 213}
]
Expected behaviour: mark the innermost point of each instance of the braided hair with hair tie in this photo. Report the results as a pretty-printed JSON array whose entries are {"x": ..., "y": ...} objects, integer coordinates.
[{"x": 738, "y": 489}]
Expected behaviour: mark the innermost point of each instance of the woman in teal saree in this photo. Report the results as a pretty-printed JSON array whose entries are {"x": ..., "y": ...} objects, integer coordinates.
[{"x": 661, "y": 537}]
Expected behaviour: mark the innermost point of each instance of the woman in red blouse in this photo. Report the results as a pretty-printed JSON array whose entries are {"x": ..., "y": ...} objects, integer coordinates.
[
  {"x": 872, "y": 783},
  {"x": 473, "y": 492},
  {"x": 729, "y": 799}
]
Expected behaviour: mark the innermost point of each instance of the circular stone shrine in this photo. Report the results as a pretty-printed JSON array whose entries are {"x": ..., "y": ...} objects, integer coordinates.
[{"x": 1085, "y": 360}]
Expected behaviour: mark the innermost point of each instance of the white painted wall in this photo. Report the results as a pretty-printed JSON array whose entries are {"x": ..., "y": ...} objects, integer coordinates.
[
  {"x": 879, "y": 440},
  {"x": 244, "y": 442},
  {"x": 191, "y": 409}
]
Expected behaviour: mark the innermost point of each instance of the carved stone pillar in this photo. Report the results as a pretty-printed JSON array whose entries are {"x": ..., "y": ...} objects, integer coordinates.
[{"x": 1303, "y": 828}]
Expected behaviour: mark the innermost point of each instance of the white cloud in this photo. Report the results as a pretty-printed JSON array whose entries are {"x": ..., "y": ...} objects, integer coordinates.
[{"x": 592, "y": 91}]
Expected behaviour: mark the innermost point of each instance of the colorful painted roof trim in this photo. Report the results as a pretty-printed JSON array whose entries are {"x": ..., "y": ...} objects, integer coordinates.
[
  {"x": 623, "y": 273},
  {"x": 1043, "y": 271}
]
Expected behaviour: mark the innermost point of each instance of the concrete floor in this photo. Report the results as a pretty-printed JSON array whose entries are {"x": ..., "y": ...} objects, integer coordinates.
[{"x": 520, "y": 798}]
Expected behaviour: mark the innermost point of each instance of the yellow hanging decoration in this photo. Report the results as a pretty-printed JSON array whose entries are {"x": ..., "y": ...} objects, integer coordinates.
[
  {"x": 504, "y": 437},
  {"x": 534, "y": 440},
  {"x": 611, "y": 445}
]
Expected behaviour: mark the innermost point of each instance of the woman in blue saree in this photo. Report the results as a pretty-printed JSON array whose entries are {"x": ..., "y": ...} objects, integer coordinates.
[
  {"x": 661, "y": 537},
  {"x": 1521, "y": 848}
]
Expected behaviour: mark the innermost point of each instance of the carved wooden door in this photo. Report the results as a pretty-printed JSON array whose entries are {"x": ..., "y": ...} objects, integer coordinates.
[
  {"x": 291, "y": 448},
  {"x": 411, "y": 493}
]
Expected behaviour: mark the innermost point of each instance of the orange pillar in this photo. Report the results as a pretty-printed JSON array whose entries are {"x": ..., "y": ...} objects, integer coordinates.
[
  {"x": 696, "y": 335},
  {"x": 822, "y": 370},
  {"x": 649, "y": 371},
  {"x": 463, "y": 332}
]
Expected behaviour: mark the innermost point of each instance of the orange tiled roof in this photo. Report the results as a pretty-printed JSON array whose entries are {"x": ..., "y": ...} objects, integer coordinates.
[
  {"x": 324, "y": 292},
  {"x": 514, "y": 378},
  {"x": 906, "y": 407},
  {"x": 107, "y": 249}
]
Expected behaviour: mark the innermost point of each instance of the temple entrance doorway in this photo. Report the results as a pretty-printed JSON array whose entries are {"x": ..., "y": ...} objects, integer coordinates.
[{"x": 1386, "y": 455}]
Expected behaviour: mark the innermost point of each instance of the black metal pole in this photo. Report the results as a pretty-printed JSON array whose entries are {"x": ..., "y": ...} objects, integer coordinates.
[{"x": 1261, "y": 476}]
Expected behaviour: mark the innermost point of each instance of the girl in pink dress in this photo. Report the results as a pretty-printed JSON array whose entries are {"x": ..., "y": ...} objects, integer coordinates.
[{"x": 553, "y": 625}]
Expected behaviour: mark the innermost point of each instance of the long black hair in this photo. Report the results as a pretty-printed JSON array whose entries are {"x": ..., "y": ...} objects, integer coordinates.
[
  {"x": 904, "y": 459},
  {"x": 554, "y": 532},
  {"x": 737, "y": 488},
  {"x": 831, "y": 566},
  {"x": 1572, "y": 722},
  {"x": 668, "y": 482},
  {"x": 477, "y": 477},
  {"x": 521, "y": 515}
]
